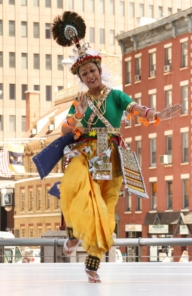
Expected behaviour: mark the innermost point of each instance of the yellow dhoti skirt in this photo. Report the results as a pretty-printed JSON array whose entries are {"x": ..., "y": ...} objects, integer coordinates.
[{"x": 88, "y": 205}]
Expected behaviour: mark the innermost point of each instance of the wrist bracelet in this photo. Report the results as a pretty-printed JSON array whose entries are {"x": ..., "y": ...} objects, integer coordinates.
[
  {"x": 77, "y": 119},
  {"x": 130, "y": 106},
  {"x": 146, "y": 112}
]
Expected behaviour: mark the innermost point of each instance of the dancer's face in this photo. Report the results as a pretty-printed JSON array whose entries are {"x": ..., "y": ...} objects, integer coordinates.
[{"x": 90, "y": 75}]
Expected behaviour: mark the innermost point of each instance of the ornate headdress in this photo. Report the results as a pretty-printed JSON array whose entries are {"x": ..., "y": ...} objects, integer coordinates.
[{"x": 68, "y": 30}]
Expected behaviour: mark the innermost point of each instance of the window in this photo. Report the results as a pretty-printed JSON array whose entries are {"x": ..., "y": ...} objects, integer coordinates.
[
  {"x": 12, "y": 123},
  {"x": 24, "y": 60},
  {"x": 36, "y": 87},
  {"x": 122, "y": 8},
  {"x": 127, "y": 72},
  {"x": 168, "y": 97},
  {"x": 168, "y": 56},
  {"x": 39, "y": 231},
  {"x": 169, "y": 144},
  {"x": 23, "y": 90},
  {"x": 151, "y": 11},
  {"x": 48, "y": 91},
  {"x": 169, "y": 189},
  {"x": 22, "y": 232},
  {"x": 169, "y": 11},
  {"x": 153, "y": 196},
  {"x": 56, "y": 204},
  {"x": 111, "y": 7},
  {"x": 185, "y": 193},
  {"x": 22, "y": 196},
  {"x": 1, "y": 28},
  {"x": 47, "y": 3},
  {"x": 1, "y": 59},
  {"x": 152, "y": 59},
  {"x": 36, "y": 61},
  {"x": 35, "y": 30},
  {"x": 39, "y": 199},
  {"x": 91, "y": 5},
  {"x": 36, "y": 3},
  {"x": 48, "y": 62},
  {"x": 128, "y": 201},
  {"x": 153, "y": 152},
  {"x": 138, "y": 151},
  {"x": 30, "y": 200},
  {"x": 11, "y": 28},
  {"x": 152, "y": 100},
  {"x": 1, "y": 91},
  {"x": 71, "y": 4},
  {"x": 102, "y": 36},
  {"x": 138, "y": 101},
  {"x": 12, "y": 2},
  {"x": 131, "y": 10},
  {"x": 139, "y": 204},
  {"x": 80, "y": 5},
  {"x": 47, "y": 199},
  {"x": 23, "y": 2},
  {"x": 138, "y": 66},
  {"x": 141, "y": 10},
  {"x": 185, "y": 147},
  {"x": 112, "y": 37},
  {"x": 184, "y": 54},
  {"x": 184, "y": 99},
  {"x": 101, "y": 7},
  {"x": 11, "y": 91},
  {"x": 60, "y": 87},
  {"x": 59, "y": 3},
  {"x": 59, "y": 63},
  {"x": 23, "y": 123},
  {"x": 30, "y": 231},
  {"x": 48, "y": 31},
  {"x": 160, "y": 11},
  {"x": 24, "y": 29},
  {"x": 1, "y": 123},
  {"x": 12, "y": 60},
  {"x": 92, "y": 35}
]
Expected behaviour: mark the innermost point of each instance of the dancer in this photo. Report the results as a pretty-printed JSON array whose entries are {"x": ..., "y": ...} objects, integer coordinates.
[{"x": 93, "y": 165}]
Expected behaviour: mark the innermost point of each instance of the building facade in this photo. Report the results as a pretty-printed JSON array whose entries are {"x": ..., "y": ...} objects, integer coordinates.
[
  {"x": 31, "y": 60},
  {"x": 157, "y": 73}
]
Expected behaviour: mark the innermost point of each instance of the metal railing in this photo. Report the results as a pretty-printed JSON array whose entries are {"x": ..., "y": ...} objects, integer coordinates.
[{"x": 131, "y": 242}]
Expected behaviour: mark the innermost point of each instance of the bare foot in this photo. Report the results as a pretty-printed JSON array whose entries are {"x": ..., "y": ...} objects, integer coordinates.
[
  {"x": 69, "y": 246},
  {"x": 71, "y": 243},
  {"x": 93, "y": 276}
]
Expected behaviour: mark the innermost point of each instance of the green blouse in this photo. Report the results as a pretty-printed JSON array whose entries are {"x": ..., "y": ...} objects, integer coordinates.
[{"x": 116, "y": 102}]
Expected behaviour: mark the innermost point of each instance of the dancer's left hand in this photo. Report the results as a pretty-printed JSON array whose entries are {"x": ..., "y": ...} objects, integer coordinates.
[{"x": 169, "y": 112}]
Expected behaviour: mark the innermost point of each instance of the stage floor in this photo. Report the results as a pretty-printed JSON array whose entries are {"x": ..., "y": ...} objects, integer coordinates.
[{"x": 118, "y": 279}]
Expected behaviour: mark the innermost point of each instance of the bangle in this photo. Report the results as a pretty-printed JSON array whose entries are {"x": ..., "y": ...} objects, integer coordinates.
[
  {"x": 155, "y": 114},
  {"x": 77, "y": 119},
  {"x": 66, "y": 123},
  {"x": 146, "y": 112},
  {"x": 79, "y": 114},
  {"x": 131, "y": 106}
]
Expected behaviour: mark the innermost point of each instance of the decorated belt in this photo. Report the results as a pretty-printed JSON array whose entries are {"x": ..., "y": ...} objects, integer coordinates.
[{"x": 103, "y": 130}]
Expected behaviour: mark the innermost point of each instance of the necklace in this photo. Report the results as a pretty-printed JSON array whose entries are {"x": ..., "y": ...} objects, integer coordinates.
[
  {"x": 96, "y": 99},
  {"x": 98, "y": 102}
]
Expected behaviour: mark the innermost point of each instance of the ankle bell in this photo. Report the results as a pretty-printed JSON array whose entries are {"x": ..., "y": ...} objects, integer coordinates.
[
  {"x": 69, "y": 231},
  {"x": 92, "y": 263}
]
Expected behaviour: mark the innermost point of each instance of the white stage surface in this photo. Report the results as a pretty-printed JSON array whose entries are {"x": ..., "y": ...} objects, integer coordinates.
[{"x": 118, "y": 279}]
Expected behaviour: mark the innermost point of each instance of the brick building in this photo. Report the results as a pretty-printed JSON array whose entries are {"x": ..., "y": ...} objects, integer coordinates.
[{"x": 157, "y": 69}]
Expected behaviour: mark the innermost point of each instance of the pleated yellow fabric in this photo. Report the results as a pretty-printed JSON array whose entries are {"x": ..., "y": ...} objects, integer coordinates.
[{"x": 88, "y": 205}]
